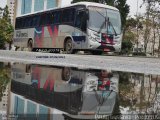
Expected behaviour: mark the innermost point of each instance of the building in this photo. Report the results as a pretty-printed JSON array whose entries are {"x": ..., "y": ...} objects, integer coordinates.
[
  {"x": 32, "y": 6},
  {"x": 21, "y": 7},
  {"x": 4, "y": 101},
  {"x": 11, "y": 8}
]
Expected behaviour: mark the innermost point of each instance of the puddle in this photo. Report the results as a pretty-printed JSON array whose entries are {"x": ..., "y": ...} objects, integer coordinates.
[{"x": 64, "y": 93}]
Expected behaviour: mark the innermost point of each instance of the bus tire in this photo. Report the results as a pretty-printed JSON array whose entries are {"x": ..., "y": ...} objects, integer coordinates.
[
  {"x": 28, "y": 68},
  {"x": 30, "y": 45},
  {"x": 66, "y": 73},
  {"x": 97, "y": 52},
  {"x": 68, "y": 46}
]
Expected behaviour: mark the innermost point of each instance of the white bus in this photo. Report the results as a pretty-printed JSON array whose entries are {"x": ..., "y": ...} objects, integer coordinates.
[{"x": 81, "y": 26}]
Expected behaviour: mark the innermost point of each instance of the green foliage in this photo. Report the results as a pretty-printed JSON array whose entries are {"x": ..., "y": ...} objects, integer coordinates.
[
  {"x": 127, "y": 43},
  {"x": 126, "y": 47},
  {"x": 2, "y": 44},
  {"x": 6, "y": 15},
  {"x": 131, "y": 22},
  {"x": 6, "y": 29},
  {"x": 121, "y": 5},
  {"x": 125, "y": 88},
  {"x": 130, "y": 36},
  {"x": 4, "y": 79},
  {"x": 124, "y": 10}
]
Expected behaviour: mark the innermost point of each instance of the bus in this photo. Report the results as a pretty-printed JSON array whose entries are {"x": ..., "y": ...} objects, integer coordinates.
[
  {"x": 78, "y": 93},
  {"x": 83, "y": 26}
]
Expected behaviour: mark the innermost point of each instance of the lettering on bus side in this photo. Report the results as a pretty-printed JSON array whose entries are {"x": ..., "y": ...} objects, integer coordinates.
[{"x": 21, "y": 34}]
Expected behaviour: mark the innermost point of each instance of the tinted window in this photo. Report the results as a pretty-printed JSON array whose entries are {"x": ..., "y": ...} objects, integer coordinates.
[
  {"x": 48, "y": 18},
  {"x": 55, "y": 17},
  {"x": 18, "y": 23},
  {"x": 43, "y": 19},
  {"x": 28, "y": 21},
  {"x": 68, "y": 15},
  {"x": 81, "y": 20},
  {"x": 36, "y": 20}
]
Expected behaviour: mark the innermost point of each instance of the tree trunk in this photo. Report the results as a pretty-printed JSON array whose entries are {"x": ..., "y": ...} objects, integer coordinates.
[{"x": 159, "y": 42}]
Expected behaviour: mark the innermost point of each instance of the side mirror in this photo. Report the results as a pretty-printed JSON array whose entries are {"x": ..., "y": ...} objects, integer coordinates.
[{"x": 87, "y": 14}]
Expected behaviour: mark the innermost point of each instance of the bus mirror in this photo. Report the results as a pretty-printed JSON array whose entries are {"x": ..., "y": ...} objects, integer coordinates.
[{"x": 87, "y": 14}]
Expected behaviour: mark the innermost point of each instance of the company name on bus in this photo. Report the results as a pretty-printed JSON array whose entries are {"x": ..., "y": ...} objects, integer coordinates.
[{"x": 20, "y": 34}]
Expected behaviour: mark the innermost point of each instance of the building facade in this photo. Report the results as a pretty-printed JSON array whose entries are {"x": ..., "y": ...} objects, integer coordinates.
[
  {"x": 32, "y": 6},
  {"x": 4, "y": 101},
  {"x": 11, "y": 8},
  {"x": 21, "y": 7}
]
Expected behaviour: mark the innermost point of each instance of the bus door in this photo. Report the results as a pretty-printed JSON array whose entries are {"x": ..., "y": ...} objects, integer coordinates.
[{"x": 80, "y": 28}]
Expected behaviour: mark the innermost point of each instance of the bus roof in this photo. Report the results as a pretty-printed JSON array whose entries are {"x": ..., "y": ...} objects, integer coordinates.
[
  {"x": 92, "y": 4},
  {"x": 71, "y": 5}
]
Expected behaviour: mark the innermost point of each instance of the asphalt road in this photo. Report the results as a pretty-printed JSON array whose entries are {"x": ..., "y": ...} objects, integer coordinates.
[{"x": 115, "y": 63}]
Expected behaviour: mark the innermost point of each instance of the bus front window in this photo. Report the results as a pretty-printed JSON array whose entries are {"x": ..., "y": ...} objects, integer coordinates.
[{"x": 104, "y": 20}]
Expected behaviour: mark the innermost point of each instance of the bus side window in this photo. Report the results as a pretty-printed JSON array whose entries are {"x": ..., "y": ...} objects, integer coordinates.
[
  {"x": 65, "y": 15},
  {"x": 36, "y": 21},
  {"x": 80, "y": 21},
  {"x": 23, "y": 22},
  {"x": 48, "y": 18},
  {"x": 56, "y": 17},
  {"x": 28, "y": 22},
  {"x": 68, "y": 15},
  {"x": 42, "y": 19},
  {"x": 72, "y": 15},
  {"x": 18, "y": 23}
]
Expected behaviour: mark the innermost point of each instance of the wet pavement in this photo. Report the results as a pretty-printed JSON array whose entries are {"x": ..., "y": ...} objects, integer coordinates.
[{"x": 40, "y": 92}]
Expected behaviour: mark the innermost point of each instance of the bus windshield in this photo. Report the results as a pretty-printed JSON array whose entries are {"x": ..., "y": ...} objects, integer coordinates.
[{"x": 101, "y": 18}]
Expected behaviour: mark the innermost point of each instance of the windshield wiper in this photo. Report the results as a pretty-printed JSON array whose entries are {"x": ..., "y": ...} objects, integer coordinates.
[
  {"x": 112, "y": 27},
  {"x": 104, "y": 23},
  {"x": 102, "y": 27},
  {"x": 110, "y": 23}
]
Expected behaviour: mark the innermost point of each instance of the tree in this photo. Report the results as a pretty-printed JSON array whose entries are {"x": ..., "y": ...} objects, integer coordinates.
[
  {"x": 127, "y": 45},
  {"x": 152, "y": 11},
  {"x": 4, "y": 79},
  {"x": 6, "y": 14},
  {"x": 124, "y": 10},
  {"x": 6, "y": 29},
  {"x": 120, "y": 4}
]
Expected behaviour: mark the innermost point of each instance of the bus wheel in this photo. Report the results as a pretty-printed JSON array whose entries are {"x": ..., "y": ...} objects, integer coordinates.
[
  {"x": 96, "y": 52},
  {"x": 66, "y": 74},
  {"x": 68, "y": 46},
  {"x": 30, "y": 46}
]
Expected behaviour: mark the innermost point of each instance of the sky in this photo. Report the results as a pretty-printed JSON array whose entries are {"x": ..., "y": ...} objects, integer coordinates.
[{"x": 132, "y": 3}]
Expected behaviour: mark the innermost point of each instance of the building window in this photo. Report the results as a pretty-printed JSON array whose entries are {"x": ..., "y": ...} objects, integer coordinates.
[
  {"x": 26, "y": 6},
  {"x": 38, "y": 5},
  {"x": 51, "y": 4}
]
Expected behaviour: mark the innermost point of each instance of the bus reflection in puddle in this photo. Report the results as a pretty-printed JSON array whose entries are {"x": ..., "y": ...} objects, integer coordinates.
[{"x": 61, "y": 93}]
